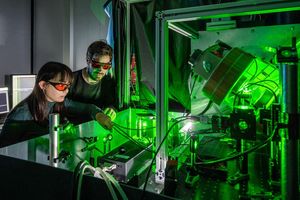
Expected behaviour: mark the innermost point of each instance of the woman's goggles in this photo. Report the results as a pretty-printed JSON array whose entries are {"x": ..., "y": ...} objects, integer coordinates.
[
  {"x": 60, "y": 86},
  {"x": 98, "y": 65}
]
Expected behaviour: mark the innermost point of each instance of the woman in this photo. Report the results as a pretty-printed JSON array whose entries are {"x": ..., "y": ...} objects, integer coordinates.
[{"x": 30, "y": 117}]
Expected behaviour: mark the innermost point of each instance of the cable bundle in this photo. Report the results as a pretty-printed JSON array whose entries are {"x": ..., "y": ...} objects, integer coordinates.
[{"x": 99, "y": 173}]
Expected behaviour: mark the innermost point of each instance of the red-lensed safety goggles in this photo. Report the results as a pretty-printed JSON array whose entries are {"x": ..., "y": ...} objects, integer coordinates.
[
  {"x": 60, "y": 86},
  {"x": 105, "y": 66}
]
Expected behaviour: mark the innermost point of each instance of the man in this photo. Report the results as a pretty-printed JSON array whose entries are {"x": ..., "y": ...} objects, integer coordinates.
[{"x": 92, "y": 84}]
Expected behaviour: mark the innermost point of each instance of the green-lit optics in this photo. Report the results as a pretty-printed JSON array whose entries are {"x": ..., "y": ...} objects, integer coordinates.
[
  {"x": 259, "y": 83},
  {"x": 286, "y": 53},
  {"x": 144, "y": 124},
  {"x": 243, "y": 107},
  {"x": 186, "y": 127},
  {"x": 270, "y": 49},
  {"x": 69, "y": 128},
  {"x": 246, "y": 90},
  {"x": 243, "y": 125},
  {"x": 195, "y": 145}
]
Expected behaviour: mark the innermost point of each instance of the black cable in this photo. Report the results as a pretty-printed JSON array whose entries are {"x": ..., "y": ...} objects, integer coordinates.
[
  {"x": 191, "y": 93},
  {"x": 158, "y": 148},
  {"x": 274, "y": 94},
  {"x": 193, "y": 85},
  {"x": 99, "y": 150},
  {"x": 76, "y": 174},
  {"x": 183, "y": 143},
  {"x": 207, "y": 162},
  {"x": 133, "y": 129},
  {"x": 120, "y": 131},
  {"x": 266, "y": 80},
  {"x": 208, "y": 106},
  {"x": 137, "y": 129},
  {"x": 257, "y": 83},
  {"x": 237, "y": 95}
]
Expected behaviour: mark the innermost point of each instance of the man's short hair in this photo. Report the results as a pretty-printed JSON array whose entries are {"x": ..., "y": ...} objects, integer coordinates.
[{"x": 98, "y": 48}]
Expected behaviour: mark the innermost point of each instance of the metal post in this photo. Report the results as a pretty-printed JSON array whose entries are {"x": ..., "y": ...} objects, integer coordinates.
[
  {"x": 54, "y": 146},
  {"x": 127, "y": 58},
  {"x": 287, "y": 57},
  {"x": 274, "y": 168},
  {"x": 193, "y": 149},
  {"x": 244, "y": 171}
]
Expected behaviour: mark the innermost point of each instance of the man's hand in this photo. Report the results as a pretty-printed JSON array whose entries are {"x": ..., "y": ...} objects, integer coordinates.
[
  {"x": 111, "y": 113},
  {"x": 104, "y": 121}
]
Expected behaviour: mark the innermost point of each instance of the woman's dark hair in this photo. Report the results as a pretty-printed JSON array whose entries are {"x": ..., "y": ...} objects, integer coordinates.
[
  {"x": 100, "y": 48},
  {"x": 37, "y": 101}
]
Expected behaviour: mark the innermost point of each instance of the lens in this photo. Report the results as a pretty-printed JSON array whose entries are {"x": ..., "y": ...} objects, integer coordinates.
[
  {"x": 95, "y": 65},
  {"x": 60, "y": 86},
  {"x": 104, "y": 66}
]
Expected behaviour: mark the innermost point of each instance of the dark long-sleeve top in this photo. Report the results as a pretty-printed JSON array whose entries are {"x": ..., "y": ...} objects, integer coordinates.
[
  {"x": 101, "y": 94},
  {"x": 20, "y": 124}
]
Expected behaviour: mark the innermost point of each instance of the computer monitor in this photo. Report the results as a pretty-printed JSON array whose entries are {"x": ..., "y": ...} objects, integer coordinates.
[
  {"x": 20, "y": 86},
  {"x": 4, "y": 103}
]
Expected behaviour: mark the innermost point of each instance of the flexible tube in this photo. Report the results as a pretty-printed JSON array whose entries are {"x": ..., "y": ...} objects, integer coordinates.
[
  {"x": 117, "y": 185},
  {"x": 100, "y": 174}
]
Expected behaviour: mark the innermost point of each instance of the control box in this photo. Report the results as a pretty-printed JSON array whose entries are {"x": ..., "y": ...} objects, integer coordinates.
[{"x": 131, "y": 160}]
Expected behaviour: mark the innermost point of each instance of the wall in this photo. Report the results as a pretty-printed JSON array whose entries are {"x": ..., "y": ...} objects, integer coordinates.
[
  {"x": 65, "y": 34},
  {"x": 90, "y": 23},
  {"x": 14, "y": 37},
  {"x": 49, "y": 27},
  {"x": 63, "y": 29}
]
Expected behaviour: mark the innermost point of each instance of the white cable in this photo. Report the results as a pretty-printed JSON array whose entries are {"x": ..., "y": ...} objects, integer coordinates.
[
  {"x": 87, "y": 166},
  {"x": 113, "y": 180},
  {"x": 110, "y": 168},
  {"x": 79, "y": 181},
  {"x": 100, "y": 174},
  {"x": 117, "y": 185}
]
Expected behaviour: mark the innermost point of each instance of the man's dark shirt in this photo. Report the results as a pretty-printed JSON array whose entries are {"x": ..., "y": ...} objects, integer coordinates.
[{"x": 102, "y": 94}]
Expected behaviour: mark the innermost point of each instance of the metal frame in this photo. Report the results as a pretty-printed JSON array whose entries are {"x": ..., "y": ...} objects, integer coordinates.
[
  {"x": 126, "y": 74},
  {"x": 163, "y": 18}
]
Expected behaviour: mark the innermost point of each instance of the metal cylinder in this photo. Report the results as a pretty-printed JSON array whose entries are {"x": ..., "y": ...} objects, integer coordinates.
[
  {"x": 54, "y": 146},
  {"x": 290, "y": 135},
  {"x": 145, "y": 125},
  {"x": 193, "y": 149}
]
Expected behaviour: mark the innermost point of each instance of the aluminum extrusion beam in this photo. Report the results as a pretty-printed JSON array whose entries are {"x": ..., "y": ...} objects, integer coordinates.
[
  {"x": 230, "y": 9},
  {"x": 161, "y": 87}
]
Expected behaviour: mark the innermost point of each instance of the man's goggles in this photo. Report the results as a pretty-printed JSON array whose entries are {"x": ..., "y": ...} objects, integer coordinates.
[{"x": 98, "y": 65}]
